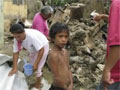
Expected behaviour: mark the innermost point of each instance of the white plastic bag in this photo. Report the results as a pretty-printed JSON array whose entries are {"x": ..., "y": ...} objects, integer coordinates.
[
  {"x": 6, "y": 82},
  {"x": 14, "y": 82},
  {"x": 20, "y": 82}
]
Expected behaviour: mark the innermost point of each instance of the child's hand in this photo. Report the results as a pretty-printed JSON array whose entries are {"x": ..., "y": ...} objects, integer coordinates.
[
  {"x": 70, "y": 87},
  {"x": 13, "y": 71}
]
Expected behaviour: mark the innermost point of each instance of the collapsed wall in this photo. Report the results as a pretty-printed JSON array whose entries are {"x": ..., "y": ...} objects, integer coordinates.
[{"x": 87, "y": 53}]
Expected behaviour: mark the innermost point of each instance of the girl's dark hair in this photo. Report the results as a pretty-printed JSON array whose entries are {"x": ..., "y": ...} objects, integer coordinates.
[
  {"x": 57, "y": 28},
  {"x": 16, "y": 28}
]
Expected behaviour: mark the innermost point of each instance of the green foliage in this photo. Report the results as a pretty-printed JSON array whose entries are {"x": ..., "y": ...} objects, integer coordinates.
[{"x": 60, "y": 2}]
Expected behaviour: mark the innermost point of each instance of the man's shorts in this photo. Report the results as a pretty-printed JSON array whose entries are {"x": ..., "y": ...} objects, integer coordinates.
[{"x": 114, "y": 86}]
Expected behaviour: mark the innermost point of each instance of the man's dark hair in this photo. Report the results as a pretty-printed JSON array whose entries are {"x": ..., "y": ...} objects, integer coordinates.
[
  {"x": 16, "y": 28},
  {"x": 57, "y": 28}
]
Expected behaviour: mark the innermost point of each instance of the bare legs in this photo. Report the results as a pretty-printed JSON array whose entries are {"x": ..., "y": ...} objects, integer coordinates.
[{"x": 38, "y": 82}]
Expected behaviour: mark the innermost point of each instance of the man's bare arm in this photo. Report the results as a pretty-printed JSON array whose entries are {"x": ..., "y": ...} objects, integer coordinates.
[
  {"x": 101, "y": 17},
  {"x": 114, "y": 56},
  {"x": 105, "y": 16}
]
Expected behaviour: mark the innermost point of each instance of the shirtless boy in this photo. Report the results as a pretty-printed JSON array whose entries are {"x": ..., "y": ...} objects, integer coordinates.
[{"x": 58, "y": 59}]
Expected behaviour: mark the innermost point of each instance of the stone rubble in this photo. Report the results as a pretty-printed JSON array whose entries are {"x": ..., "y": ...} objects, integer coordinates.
[{"x": 87, "y": 53}]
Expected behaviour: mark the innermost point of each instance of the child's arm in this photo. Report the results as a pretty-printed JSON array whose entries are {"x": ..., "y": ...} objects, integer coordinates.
[
  {"x": 15, "y": 60},
  {"x": 52, "y": 63},
  {"x": 70, "y": 75},
  {"x": 71, "y": 81},
  {"x": 40, "y": 54}
]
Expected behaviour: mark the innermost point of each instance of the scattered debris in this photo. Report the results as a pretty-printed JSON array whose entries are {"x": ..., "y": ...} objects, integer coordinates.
[{"x": 87, "y": 53}]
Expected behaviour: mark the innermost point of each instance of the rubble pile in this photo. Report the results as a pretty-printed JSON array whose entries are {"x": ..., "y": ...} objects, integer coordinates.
[{"x": 87, "y": 53}]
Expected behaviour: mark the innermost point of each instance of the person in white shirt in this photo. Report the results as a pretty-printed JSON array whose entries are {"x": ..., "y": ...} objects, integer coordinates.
[{"x": 36, "y": 44}]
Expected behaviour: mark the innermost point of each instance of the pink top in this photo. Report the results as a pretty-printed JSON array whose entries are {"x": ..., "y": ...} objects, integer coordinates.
[
  {"x": 114, "y": 35},
  {"x": 40, "y": 24},
  {"x": 19, "y": 43}
]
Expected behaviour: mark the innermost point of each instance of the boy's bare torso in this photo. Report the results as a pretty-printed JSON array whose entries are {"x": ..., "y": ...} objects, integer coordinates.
[{"x": 61, "y": 67}]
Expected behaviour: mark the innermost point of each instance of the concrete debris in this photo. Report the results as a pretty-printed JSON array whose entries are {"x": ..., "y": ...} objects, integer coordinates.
[{"x": 87, "y": 53}]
